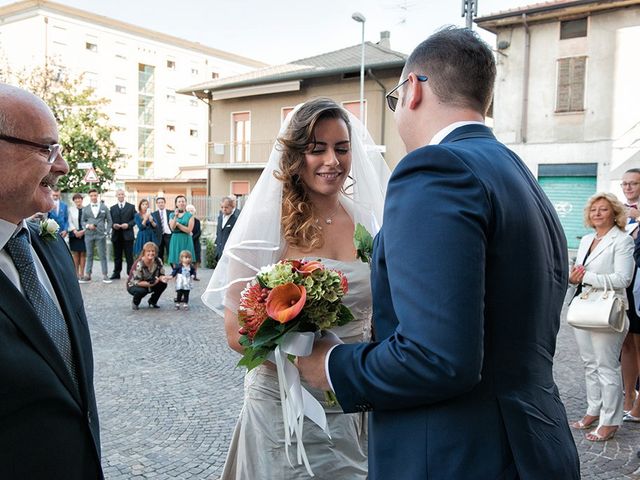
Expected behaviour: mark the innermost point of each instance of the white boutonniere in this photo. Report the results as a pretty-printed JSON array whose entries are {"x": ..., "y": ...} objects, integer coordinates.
[{"x": 49, "y": 229}]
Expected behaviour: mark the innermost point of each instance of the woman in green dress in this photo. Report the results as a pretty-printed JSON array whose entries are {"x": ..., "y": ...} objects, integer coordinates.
[{"x": 181, "y": 225}]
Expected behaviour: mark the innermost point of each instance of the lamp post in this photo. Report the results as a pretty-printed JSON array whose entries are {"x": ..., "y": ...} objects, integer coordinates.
[{"x": 360, "y": 18}]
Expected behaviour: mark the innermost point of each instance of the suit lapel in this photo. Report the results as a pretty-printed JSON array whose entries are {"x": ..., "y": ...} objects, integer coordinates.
[
  {"x": 19, "y": 311},
  {"x": 50, "y": 258},
  {"x": 608, "y": 239}
]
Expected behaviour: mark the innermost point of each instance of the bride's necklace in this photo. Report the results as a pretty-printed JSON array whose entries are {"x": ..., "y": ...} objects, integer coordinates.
[
  {"x": 329, "y": 219},
  {"x": 599, "y": 237}
]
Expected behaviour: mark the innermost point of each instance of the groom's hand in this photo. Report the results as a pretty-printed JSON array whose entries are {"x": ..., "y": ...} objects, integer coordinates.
[{"x": 312, "y": 368}]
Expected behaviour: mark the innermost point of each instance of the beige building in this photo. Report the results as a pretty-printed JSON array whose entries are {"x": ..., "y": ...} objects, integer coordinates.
[
  {"x": 567, "y": 94},
  {"x": 246, "y": 111},
  {"x": 163, "y": 135}
]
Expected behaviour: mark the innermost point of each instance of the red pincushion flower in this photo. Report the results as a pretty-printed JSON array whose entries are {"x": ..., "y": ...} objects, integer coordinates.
[
  {"x": 344, "y": 284},
  {"x": 252, "y": 311}
]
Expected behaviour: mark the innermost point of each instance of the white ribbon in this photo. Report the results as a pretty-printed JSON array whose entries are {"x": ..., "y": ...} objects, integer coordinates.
[{"x": 296, "y": 401}]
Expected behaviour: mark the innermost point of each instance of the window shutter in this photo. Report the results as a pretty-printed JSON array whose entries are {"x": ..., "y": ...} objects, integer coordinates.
[
  {"x": 571, "y": 84},
  {"x": 577, "y": 84}
]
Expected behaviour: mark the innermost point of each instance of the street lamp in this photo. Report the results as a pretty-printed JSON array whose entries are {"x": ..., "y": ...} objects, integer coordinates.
[{"x": 358, "y": 17}]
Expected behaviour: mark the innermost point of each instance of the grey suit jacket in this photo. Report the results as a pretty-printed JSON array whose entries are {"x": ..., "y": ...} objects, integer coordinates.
[{"x": 102, "y": 221}]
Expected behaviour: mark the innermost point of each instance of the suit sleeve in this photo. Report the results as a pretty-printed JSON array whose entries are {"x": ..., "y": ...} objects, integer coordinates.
[
  {"x": 132, "y": 219},
  {"x": 109, "y": 221},
  {"x": 436, "y": 220},
  {"x": 83, "y": 223}
]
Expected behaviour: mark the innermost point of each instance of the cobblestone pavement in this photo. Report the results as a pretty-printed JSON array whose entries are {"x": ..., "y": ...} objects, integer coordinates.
[{"x": 169, "y": 393}]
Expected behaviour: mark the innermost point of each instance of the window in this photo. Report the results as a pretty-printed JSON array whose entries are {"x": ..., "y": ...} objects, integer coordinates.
[
  {"x": 354, "y": 108},
  {"x": 214, "y": 75},
  {"x": 121, "y": 89},
  {"x": 171, "y": 98},
  {"x": 239, "y": 188},
  {"x": 193, "y": 132},
  {"x": 92, "y": 47},
  {"x": 193, "y": 103},
  {"x": 284, "y": 112},
  {"x": 573, "y": 28},
  {"x": 571, "y": 84},
  {"x": 91, "y": 79},
  {"x": 171, "y": 127},
  {"x": 194, "y": 71},
  {"x": 240, "y": 136},
  {"x": 171, "y": 64}
]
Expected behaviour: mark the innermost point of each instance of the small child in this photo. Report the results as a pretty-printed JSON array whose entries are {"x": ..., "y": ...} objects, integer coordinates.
[{"x": 184, "y": 272}]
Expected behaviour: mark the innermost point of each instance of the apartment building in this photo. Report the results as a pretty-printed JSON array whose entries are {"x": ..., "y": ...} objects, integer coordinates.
[{"x": 163, "y": 136}]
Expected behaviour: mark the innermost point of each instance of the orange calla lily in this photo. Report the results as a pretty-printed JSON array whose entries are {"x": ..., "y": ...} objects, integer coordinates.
[
  {"x": 308, "y": 268},
  {"x": 285, "y": 302}
]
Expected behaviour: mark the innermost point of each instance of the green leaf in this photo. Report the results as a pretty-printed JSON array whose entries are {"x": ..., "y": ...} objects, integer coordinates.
[
  {"x": 344, "y": 315},
  {"x": 363, "y": 242}
]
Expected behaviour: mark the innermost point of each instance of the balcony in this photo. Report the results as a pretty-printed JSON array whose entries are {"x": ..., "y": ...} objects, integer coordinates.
[{"x": 239, "y": 155}]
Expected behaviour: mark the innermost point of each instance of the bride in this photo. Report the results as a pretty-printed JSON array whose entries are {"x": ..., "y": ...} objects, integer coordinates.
[{"x": 323, "y": 177}]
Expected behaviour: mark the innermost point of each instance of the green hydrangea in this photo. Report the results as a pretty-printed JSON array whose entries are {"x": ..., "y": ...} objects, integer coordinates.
[{"x": 279, "y": 274}]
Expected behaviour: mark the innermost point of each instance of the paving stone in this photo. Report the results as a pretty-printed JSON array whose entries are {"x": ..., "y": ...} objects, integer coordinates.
[{"x": 169, "y": 393}]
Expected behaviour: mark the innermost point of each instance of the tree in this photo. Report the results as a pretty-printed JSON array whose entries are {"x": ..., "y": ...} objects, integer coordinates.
[{"x": 84, "y": 129}]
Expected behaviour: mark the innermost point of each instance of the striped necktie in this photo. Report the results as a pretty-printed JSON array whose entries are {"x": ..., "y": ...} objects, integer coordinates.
[{"x": 52, "y": 320}]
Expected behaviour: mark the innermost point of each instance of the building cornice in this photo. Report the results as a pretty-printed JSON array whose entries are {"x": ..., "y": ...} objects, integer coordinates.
[
  {"x": 65, "y": 10},
  {"x": 549, "y": 11}
]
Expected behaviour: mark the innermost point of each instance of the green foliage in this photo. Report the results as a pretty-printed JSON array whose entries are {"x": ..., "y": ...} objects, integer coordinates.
[
  {"x": 210, "y": 254},
  {"x": 84, "y": 129},
  {"x": 363, "y": 242}
]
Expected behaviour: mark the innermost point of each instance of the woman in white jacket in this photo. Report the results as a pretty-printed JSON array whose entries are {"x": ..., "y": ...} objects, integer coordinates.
[{"x": 603, "y": 256}]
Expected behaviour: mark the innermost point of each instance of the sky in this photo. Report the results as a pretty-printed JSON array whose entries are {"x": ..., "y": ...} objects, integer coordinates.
[{"x": 280, "y": 31}]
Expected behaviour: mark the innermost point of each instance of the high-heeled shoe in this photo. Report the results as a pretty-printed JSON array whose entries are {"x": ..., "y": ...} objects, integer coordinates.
[
  {"x": 581, "y": 425},
  {"x": 596, "y": 437}
]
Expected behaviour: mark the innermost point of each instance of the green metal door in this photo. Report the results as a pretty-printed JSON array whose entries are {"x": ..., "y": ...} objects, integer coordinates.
[{"x": 569, "y": 195}]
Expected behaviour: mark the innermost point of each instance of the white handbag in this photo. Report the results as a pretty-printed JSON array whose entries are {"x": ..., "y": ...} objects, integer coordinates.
[{"x": 596, "y": 309}]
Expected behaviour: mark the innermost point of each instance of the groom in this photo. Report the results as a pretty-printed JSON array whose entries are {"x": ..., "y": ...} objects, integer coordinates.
[{"x": 467, "y": 294}]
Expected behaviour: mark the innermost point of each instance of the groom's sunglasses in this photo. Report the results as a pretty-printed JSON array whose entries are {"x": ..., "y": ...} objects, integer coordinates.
[{"x": 392, "y": 100}]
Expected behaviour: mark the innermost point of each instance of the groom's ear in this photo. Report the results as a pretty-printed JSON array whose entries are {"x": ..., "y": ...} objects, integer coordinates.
[{"x": 414, "y": 93}]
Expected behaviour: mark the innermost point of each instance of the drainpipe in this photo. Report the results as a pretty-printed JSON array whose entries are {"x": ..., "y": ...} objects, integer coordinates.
[
  {"x": 525, "y": 80},
  {"x": 384, "y": 104}
]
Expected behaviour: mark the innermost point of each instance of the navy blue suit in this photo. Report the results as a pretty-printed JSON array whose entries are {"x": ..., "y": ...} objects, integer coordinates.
[
  {"x": 62, "y": 217},
  {"x": 468, "y": 277}
]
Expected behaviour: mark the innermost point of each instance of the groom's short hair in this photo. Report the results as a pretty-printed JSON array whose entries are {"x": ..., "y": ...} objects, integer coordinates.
[{"x": 460, "y": 67}]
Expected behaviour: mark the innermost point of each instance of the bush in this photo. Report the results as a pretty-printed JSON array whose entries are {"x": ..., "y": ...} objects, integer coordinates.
[{"x": 210, "y": 254}]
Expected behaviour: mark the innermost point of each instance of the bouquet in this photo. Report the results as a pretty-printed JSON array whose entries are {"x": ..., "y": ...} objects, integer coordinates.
[
  {"x": 280, "y": 312},
  {"x": 290, "y": 296}
]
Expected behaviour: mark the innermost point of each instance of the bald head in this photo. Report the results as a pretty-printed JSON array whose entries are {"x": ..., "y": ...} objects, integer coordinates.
[{"x": 17, "y": 107}]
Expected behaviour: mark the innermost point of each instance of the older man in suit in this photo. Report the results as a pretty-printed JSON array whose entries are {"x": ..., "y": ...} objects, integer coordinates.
[
  {"x": 96, "y": 223},
  {"x": 48, "y": 419},
  {"x": 123, "y": 219},
  {"x": 459, "y": 378},
  {"x": 226, "y": 221}
]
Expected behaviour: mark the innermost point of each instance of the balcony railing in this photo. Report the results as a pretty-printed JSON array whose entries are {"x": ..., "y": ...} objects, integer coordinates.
[{"x": 239, "y": 155}]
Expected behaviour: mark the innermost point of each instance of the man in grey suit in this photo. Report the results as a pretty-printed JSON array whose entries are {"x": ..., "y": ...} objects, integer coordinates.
[{"x": 96, "y": 222}]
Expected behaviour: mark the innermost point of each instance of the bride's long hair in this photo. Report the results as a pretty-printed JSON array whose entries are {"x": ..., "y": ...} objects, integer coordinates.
[{"x": 299, "y": 226}]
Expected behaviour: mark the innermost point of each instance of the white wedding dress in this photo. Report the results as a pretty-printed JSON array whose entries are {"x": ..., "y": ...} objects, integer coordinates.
[{"x": 257, "y": 449}]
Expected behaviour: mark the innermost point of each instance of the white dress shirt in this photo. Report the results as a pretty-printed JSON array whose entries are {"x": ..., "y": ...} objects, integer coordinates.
[
  {"x": 95, "y": 208},
  {"x": 7, "y": 231},
  {"x": 164, "y": 221}
]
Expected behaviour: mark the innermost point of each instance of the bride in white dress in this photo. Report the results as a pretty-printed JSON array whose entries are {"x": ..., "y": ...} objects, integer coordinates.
[{"x": 323, "y": 177}]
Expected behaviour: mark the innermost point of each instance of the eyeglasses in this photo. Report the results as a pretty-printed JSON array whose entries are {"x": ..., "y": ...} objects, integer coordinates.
[
  {"x": 629, "y": 184},
  {"x": 54, "y": 149},
  {"x": 392, "y": 100}
]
